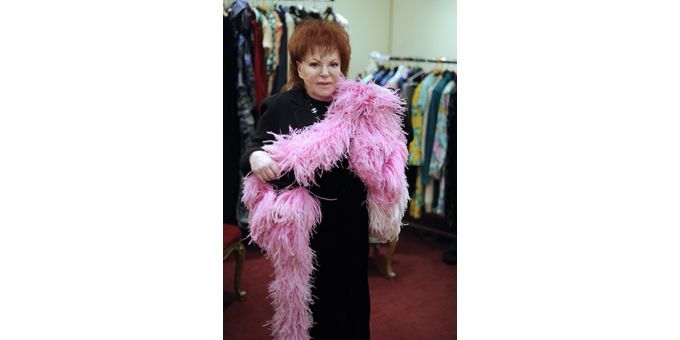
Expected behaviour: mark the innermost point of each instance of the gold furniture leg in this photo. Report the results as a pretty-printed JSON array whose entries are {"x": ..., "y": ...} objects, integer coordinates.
[
  {"x": 240, "y": 256},
  {"x": 389, "y": 273},
  {"x": 390, "y": 252}
]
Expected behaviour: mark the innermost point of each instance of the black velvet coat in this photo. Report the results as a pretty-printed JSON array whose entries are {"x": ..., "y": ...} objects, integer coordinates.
[{"x": 341, "y": 308}]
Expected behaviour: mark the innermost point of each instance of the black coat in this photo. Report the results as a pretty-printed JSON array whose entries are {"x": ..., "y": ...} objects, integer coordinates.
[{"x": 341, "y": 308}]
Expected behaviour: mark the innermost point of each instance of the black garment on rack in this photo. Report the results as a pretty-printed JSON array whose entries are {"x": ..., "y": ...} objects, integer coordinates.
[
  {"x": 240, "y": 17},
  {"x": 450, "y": 197},
  {"x": 245, "y": 82},
  {"x": 282, "y": 72},
  {"x": 232, "y": 141},
  {"x": 450, "y": 255}
]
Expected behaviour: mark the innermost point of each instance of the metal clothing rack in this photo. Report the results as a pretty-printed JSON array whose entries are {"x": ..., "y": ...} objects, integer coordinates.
[{"x": 441, "y": 60}]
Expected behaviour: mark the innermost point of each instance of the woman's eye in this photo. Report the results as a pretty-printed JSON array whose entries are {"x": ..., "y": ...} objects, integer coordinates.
[
  {"x": 314, "y": 65},
  {"x": 334, "y": 65}
]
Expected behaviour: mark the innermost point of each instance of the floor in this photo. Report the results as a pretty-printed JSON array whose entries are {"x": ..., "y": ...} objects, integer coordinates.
[{"x": 420, "y": 303}]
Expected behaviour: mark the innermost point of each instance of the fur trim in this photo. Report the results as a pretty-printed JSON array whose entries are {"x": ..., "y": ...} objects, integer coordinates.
[{"x": 364, "y": 123}]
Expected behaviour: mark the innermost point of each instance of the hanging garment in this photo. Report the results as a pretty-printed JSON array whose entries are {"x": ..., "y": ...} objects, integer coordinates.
[
  {"x": 290, "y": 27},
  {"x": 378, "y": 77},
  {"x": 260, "y": 84},
  {"x": 440, "y": 146},
  {"x": 450, "y": 199},
  {"x": 426, "y": 108},
  {"x": 395, "y": 81},
  {"x": 268, "y": 45},
  {"x": 278, "y": 31},
  {"x": 433, "y": 111},
  {"x": 231, "y": 124},
  {"x": 425, "y": 192},
  {"x": 290, "y": 22},
  {"x": 386, "y": 78},
  {"x": 363, "y": 122},
  {"x": 282, "y": 71},
  {"x": 241, "y": 20},
  {"x": 417, "y": 112},
  {"x": 406, "y": 92}
]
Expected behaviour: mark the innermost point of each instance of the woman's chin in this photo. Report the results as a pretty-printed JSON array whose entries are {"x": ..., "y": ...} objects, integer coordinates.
[{"x": 323, "y": 96}]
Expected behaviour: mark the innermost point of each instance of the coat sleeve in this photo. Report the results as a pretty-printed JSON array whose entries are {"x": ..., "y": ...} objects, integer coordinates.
[{"x": 268, "y": 122}]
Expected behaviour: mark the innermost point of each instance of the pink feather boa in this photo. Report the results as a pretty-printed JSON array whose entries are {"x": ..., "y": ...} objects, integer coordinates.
[{"x": 364, "y": 123}]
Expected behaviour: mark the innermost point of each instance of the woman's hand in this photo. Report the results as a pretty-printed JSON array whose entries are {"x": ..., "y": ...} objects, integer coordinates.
[{"x": 263, "y": 166}]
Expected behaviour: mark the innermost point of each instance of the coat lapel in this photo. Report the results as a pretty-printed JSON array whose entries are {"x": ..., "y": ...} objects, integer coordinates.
[{"x": 301, "y": 115}]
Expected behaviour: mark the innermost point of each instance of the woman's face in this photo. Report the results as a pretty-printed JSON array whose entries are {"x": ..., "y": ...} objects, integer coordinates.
[{"x": 320, "y": 74}]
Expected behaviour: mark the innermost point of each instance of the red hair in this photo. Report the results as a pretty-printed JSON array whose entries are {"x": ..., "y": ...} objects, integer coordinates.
[{"x": 327, "y": 36}]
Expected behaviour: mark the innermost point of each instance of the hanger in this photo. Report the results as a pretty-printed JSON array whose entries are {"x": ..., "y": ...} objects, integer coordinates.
[
  {"x": 262, "y": 6},
  {"x": 438, "y": 68},
  {"x": 329, "y": 12},
  {"x": 418, "y": 71},
  {"x": 298, "y": 11}
]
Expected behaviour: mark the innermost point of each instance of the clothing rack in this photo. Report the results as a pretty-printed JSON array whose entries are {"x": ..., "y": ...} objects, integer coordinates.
[
  {"x": 429, "y": 222},
  {"x": 302, "y": 2},
  {"x": 441, "y": 60},
  {"x": 293, "y": 3},
  {"x": 270, "y": 2}
]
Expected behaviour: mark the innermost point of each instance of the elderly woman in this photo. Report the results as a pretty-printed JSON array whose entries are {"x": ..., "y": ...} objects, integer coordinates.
[{"x": 340, "y": 307}]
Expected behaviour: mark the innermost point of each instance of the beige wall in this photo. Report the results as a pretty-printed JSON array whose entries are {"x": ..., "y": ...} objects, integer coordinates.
[
  {"x": 369, "y": 23},
  {"x": 425, "y": 28}
]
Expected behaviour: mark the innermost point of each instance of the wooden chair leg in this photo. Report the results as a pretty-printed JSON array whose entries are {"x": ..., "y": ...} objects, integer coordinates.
[
  {"x": 390, "y": 252},
  {"x": 240, "y": 256},
  {"x": 375, "y": 248}
]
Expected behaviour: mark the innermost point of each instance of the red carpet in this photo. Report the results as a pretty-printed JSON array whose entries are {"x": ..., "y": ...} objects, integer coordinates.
[{"x": 419, "y": 304}]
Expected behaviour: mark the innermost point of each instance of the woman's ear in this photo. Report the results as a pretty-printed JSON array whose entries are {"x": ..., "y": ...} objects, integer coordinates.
[{"x": 299, "y": 69}]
